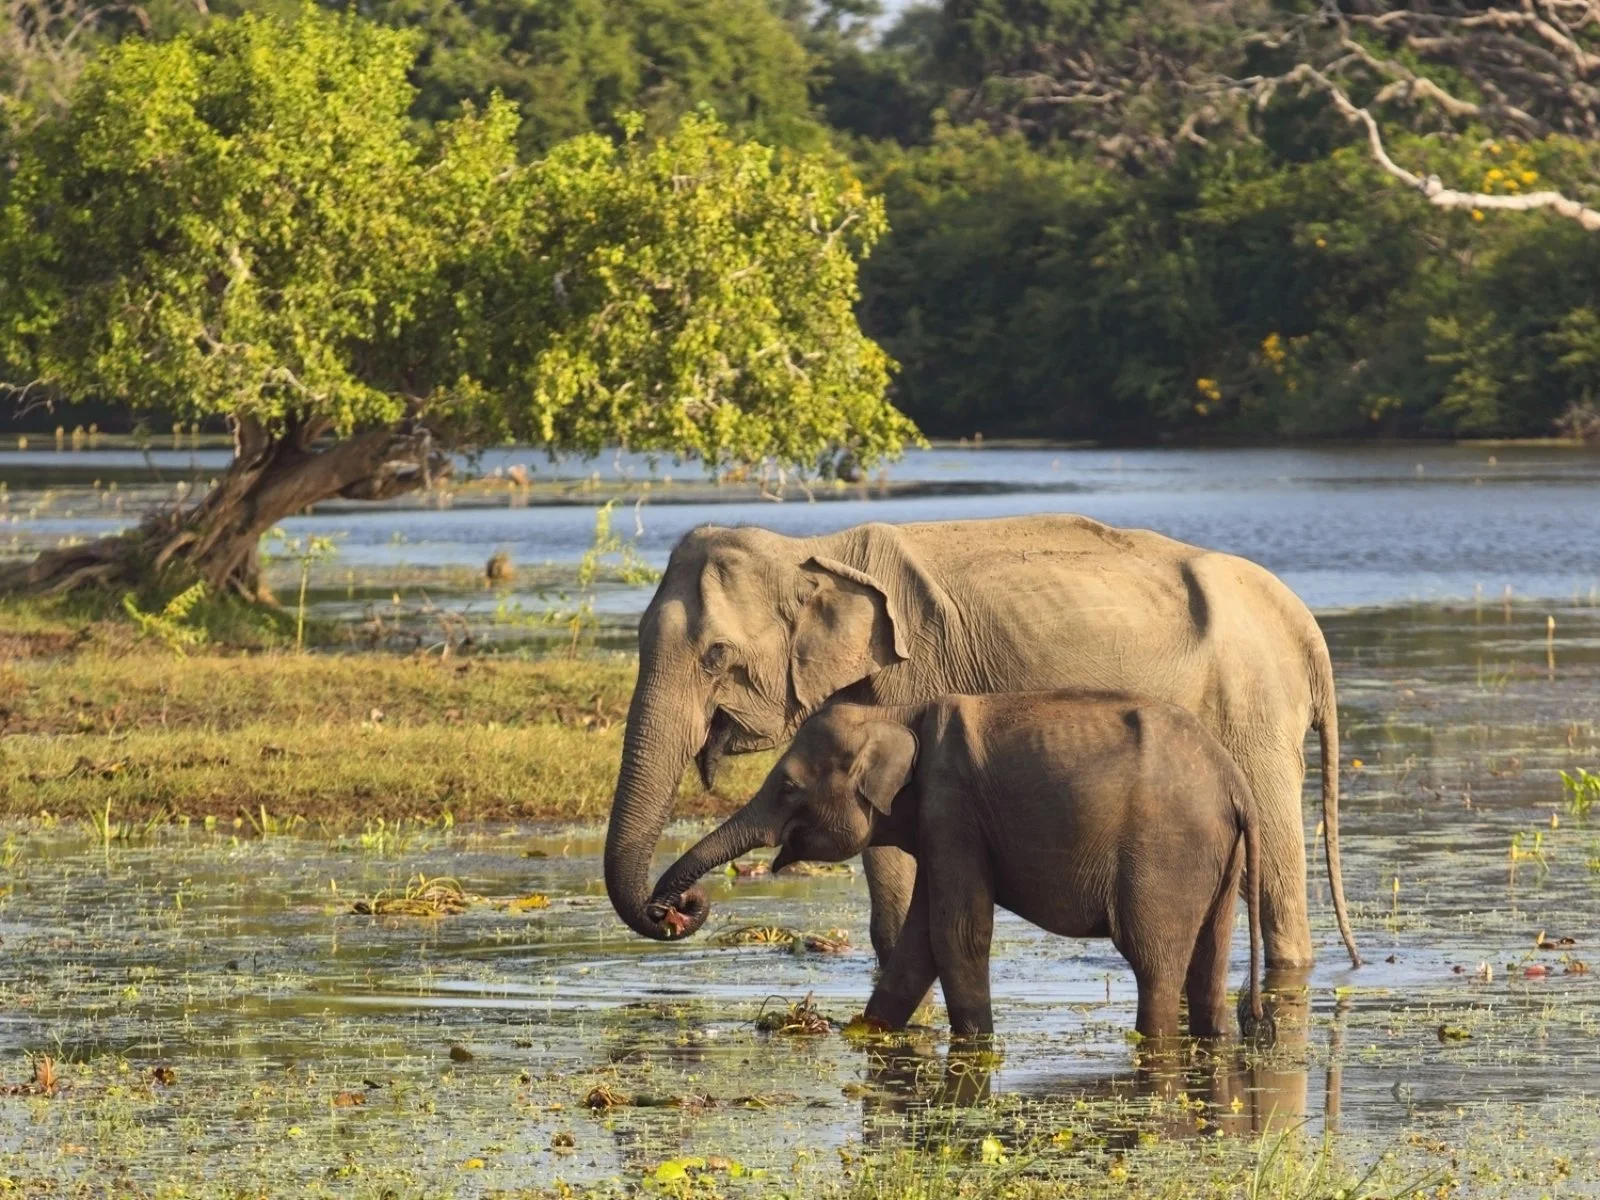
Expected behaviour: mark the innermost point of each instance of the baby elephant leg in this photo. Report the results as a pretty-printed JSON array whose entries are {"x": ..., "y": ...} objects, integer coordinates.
[
  {"x": 962, "y": 907},
  {"x": 1208, "y": 969},
  {"x": 1156, "y": 934},
  {"x": 910, "y": 971},
  {"x": 1158, "y": 1004}
]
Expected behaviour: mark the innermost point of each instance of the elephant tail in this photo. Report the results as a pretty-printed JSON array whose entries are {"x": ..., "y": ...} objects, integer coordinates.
[
  {"x": 1325, "y": 716},
  {"x": 1250, "y": 833}
]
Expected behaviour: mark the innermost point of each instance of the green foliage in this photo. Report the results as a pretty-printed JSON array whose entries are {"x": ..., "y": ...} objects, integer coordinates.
[
  {"x": 1582, "y": 790},
  {"x": 571, "y": 65},
  {"x": 243, "y": 221},
  {"x": 328, "y": 220},
  {"x": 172, "y": 626},
  {"x": 1041, "y": 294}
]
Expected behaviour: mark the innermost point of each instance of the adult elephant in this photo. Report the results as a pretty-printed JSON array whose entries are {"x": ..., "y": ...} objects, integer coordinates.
[{"x": 750, "y": 632}]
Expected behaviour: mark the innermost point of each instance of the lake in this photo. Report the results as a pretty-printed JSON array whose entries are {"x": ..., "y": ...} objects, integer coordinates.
[{"x": 1343, "y": 526}]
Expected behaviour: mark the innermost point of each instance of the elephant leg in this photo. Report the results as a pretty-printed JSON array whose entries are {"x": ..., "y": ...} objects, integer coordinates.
[
  {"x": 1158, "y": 1007},
  {"x": 961, "y": 904},
  {"x": 891, "y": 876},
  {"x": 1277, "y": 777},
  {"x": 904, "y": 981},
  {"x": 1207, "y": 985}
]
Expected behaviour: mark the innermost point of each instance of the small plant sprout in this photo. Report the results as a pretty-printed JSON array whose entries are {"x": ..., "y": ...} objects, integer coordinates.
[
  {"x": 1582, "y": 789},
  {"x": 169, "y": 626},
  {"x": 1528, "y": 847},
  {"x": 308, "y": 552}
]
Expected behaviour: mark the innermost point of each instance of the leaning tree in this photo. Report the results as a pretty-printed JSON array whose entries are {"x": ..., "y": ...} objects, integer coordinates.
[{"x": 244, "y": 223}]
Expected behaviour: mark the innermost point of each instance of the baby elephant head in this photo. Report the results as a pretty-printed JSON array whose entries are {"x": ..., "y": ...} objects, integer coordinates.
[{"x": 820, "y": 803}]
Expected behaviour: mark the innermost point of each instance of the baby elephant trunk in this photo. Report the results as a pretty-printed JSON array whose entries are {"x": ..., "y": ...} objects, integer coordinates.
[{"x": 677, "y": 905}]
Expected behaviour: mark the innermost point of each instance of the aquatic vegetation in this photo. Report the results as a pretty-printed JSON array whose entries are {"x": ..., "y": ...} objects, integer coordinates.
[
  {"x": 800, "y": 1018},
  {"x": 1582, "y": 788},
  {"x": 45, "y": 1080},
  {"x": 421, "y": 897},
  {"x": 1528, "y": 846},
  {"x": 833, "y": 941}
]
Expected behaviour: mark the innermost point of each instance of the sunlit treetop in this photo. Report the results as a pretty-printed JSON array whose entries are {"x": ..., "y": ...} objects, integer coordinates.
[{"x": 244, "y": 221}]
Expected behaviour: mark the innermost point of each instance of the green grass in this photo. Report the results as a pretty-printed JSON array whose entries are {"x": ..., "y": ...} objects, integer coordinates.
[{"x": 91, "y": 718}]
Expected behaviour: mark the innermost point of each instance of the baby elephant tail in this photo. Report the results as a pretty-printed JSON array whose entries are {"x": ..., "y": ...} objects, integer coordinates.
[{"x": 1253, "y": 1021}]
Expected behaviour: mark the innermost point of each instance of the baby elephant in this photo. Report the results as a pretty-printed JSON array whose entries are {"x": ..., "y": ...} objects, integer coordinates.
[{"x": 1089, "y": 814}]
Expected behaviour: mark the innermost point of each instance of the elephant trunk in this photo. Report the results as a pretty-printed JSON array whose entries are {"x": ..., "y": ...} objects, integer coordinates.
[
  {"x": 665, "y": 728},
  {"x": 682, "y": 907}
]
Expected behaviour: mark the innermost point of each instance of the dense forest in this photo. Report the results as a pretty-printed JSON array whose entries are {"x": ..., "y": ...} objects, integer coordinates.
[{"x": 1111, "y": 219}]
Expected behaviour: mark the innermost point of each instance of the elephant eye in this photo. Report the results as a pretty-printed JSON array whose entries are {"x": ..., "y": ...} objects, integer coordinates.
[
  {"x": 791, "y": 787},
  {"x": 715, "y": 658}
]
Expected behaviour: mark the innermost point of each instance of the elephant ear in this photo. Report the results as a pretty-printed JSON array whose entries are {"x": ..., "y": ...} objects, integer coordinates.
[
  {"x": 888, "y": 756},
  {"x": 845, "y": 630}
]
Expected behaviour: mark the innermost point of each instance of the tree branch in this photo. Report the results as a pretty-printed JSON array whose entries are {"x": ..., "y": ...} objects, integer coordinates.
[{"x": 1431, "y": 188}]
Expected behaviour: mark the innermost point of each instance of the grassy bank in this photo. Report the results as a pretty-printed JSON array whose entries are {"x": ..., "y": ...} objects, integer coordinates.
[{"x": 89, "y": 717}]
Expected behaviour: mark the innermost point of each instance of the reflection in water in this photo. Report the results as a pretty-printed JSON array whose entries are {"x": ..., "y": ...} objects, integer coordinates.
[{"x": 1215, "y": 1089}]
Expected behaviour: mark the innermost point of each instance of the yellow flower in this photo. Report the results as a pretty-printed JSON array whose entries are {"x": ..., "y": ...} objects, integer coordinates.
[
  {"x": 1494, "y": 147},
  {"x": 1322, "y": 243},
  {"x": 1477, "y": 214},
  {"x": 1512, "y": 185},
  {"x": 1529, "y": 176},
  {"x": 1494, "y": 174},
  {"x": 1208, "y": 388}
]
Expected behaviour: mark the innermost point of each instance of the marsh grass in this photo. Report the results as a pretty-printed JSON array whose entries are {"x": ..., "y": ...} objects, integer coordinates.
[{"x": 271, "y": 739}]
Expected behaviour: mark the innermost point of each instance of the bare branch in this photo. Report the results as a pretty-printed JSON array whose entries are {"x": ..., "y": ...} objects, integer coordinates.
[{"x": 1431, "y": 188}]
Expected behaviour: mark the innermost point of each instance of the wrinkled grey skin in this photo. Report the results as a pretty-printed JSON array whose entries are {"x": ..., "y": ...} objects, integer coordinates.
[
  {"x": 750, "y": 632},
  {"x": 1090, "y": 815}
]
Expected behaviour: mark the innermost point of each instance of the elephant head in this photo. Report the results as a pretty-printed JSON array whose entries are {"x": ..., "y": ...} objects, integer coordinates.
[
  {"x": 747, "y": 634},
  {"x": 821, "y": 803}
]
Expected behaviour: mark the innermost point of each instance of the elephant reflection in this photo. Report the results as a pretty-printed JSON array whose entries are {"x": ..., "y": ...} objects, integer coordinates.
[{"x": 1219, "y": 1089}]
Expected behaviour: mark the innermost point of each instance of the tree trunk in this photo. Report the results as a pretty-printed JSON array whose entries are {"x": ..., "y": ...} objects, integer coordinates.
[{"x": 217, "y": 540}]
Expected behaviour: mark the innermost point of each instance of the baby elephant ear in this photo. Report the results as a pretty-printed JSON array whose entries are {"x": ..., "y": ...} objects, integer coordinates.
[{"x": 888, "y": 755}]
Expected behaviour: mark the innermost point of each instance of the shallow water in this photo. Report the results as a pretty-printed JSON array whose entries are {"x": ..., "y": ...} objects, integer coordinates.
[
  {"x": 1343, "y": 526},
  {"x": 238, "y": 962}
]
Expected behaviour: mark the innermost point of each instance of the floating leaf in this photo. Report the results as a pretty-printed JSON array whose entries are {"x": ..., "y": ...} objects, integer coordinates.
[{"x": 675, "y": 1170}]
